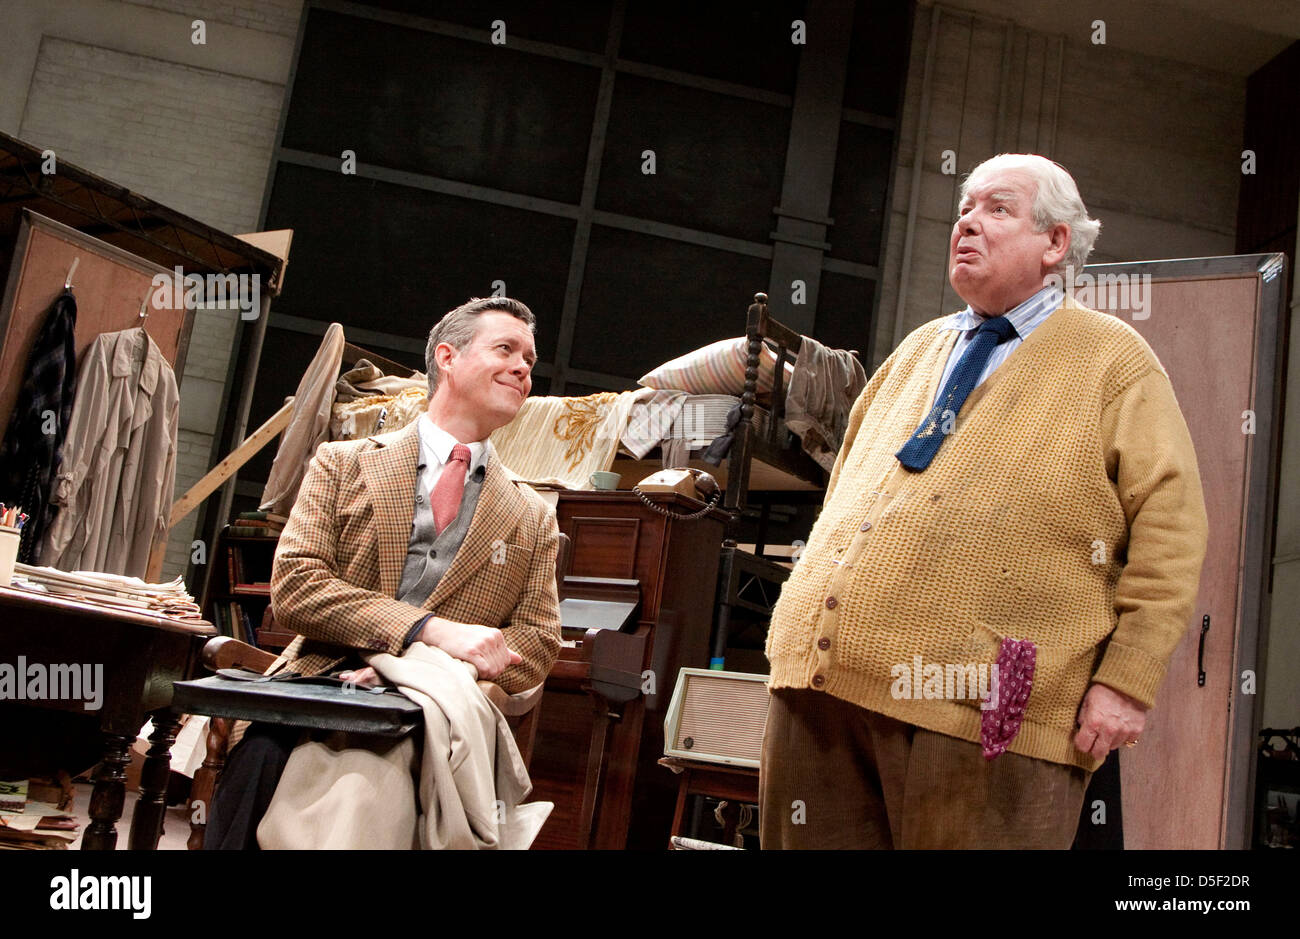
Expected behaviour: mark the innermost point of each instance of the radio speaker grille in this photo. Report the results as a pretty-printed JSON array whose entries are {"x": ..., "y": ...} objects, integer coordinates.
[{"x": 721, "y": 717}]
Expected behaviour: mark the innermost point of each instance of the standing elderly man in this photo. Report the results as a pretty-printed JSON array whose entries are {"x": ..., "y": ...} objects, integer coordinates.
[
  {"x": 414, "y": 536},
  {"x": 1016, "y": 505}
]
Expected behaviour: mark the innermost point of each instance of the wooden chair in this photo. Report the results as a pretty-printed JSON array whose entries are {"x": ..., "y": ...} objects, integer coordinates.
[{"x": 221, "y": 652}]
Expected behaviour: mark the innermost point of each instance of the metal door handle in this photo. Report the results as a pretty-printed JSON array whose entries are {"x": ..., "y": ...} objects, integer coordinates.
[{"x": 1200, "y": 652}]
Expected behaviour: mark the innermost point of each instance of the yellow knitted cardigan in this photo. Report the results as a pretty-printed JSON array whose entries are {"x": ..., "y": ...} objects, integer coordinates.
[{"x": 1065, "y": 508}]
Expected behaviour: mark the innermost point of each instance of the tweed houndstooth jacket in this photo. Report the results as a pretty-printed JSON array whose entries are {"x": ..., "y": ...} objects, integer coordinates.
[{"x": 339, "y": 562}]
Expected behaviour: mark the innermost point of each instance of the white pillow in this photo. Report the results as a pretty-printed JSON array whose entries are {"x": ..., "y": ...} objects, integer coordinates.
[{"x": 716, "y": 369}]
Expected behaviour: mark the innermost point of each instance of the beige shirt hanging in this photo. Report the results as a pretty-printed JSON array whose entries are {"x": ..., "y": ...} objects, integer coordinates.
[
  {"x": 114, "y": 488},
  {"x": 308, "y": 427}
]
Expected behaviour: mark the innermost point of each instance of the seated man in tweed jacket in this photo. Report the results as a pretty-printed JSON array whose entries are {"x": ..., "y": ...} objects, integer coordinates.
[{"x": 414, "y": 536}]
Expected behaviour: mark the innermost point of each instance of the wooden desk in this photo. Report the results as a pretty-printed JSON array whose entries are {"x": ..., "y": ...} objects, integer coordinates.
[
  {"x": 142, "y": 655},
  {"x": 676, "y": 564}
]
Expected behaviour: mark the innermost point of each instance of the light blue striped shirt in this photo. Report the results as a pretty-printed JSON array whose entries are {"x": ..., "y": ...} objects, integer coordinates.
[{"x": 1025, "y": 318}]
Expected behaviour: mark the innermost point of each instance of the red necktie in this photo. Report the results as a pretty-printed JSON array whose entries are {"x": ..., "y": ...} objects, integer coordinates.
[{"x": 445, "y": 498}]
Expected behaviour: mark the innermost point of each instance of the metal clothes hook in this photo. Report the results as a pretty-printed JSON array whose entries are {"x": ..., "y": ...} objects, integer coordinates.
[{"x": 67, "y": 281}]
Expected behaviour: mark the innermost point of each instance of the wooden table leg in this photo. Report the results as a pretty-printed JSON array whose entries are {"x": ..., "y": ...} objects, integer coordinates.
[
  {"x": 146, "y": 825},
  {"x": 679, "y": 813},
  {"x": 108, "y": 796}
]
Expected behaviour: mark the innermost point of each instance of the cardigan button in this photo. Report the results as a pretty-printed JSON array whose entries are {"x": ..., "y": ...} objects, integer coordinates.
[
  {"x": 378, "y": 645},
  {"x": 866, "y": 526},
  {"x": 819, "y": 680},
  {"x": 831, "y": 603},
  {"x": 823, "y": 643}
]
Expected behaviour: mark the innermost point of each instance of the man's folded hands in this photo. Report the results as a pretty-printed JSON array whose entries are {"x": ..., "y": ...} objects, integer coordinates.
[{"x": 484, "y": 647}]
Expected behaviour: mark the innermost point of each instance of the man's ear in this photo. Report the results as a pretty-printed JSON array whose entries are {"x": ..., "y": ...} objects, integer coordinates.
[
  {"x": 444, "y": 354},
  {"x": 1059, "y": 245}
]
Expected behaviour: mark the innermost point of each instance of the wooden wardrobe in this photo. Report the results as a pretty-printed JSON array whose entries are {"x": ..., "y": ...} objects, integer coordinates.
[{"x": 1217, "y": 326}]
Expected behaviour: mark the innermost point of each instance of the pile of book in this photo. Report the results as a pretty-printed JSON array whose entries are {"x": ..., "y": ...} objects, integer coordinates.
[
  {"x": 33, "y": 814},
  {"x": 258, "y": 524},
  {"x": 240, "y": 581},
  {"x": 113, "y": 590},
  {"x": 232, "y": 620}
]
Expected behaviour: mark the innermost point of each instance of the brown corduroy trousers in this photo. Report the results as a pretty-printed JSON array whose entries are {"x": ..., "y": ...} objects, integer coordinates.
[{"x": 834, "y": 775}]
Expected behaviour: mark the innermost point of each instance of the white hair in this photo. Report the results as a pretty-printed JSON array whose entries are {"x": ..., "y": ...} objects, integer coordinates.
[{"x": 1056, "y": 200}]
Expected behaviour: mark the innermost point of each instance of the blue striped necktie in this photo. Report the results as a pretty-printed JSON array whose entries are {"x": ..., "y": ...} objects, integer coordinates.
[{"x": 920, "y": 449}]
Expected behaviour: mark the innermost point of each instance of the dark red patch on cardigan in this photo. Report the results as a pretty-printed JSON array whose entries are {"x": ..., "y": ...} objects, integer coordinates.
[{"x": 1015, "y": 679}]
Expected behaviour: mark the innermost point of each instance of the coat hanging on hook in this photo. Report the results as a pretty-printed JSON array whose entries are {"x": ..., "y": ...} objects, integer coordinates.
[
  {"x": 115, "y": 487},
  {"x": 32, "y": 449}
]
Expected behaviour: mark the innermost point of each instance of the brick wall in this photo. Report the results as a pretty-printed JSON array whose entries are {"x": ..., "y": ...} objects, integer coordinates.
[
  {"x": 272, "y": 16},
  {"x": 1153, "y": 144},
  {"x": 196, "y": 140}
]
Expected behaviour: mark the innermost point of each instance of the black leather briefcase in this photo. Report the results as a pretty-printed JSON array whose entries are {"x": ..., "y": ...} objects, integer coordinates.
[{"x": 317, "y": 703}]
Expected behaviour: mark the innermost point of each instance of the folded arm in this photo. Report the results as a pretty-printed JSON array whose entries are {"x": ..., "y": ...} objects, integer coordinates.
[{"x": 519, "y": 655}]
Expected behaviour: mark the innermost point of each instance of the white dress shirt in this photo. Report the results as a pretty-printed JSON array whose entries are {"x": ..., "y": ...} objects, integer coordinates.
[
  {"x": 1026, "y": 317},
  {"x": 435, "y": 450}
]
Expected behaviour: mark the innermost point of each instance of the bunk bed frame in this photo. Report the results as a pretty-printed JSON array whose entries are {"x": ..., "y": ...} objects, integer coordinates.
[{"x": 766, "y": 439}]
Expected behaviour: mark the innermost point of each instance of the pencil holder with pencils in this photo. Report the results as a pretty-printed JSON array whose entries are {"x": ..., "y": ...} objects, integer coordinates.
[{"x": 9, "y": 536}]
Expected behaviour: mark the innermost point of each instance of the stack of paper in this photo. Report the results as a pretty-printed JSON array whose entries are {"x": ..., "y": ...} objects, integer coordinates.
[
  {"x": 38, "y": 825},
  {"x": 115, "y": 590}
]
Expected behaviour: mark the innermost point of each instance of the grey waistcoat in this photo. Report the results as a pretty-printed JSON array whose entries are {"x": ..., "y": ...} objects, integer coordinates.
[{"x": 428, "y": 555}]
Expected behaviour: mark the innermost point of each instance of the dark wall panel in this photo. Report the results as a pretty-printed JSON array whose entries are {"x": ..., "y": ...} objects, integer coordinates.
[
  {"x": 858, "y": 193},
  {"x": 575, "y": 390},
  {"x": 394, "y": 259},
  {"x": 878, "y": 56},
  {"x": 729, "y": 41},
  {"x": 413, "y": 100},
  {"x": 844, "y": 314},
  {"x": 646, "y": 300},
  {"x": 1266, "y": 205},
  {"x": 718, "y": 159},
  {"x": 584, "y": 24}
]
